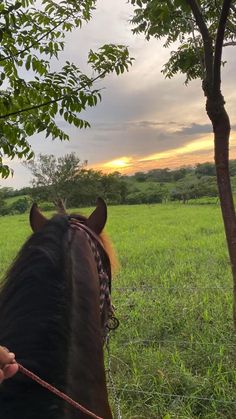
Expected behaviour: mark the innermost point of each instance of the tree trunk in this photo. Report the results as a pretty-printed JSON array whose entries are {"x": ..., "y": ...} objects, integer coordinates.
[{"x": 221, "y": 127}]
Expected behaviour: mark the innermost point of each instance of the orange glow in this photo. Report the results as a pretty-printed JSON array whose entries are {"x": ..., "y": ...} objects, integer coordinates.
[
  {"x": 194, "y": 146},
  {"x": 197, "y": 151},
  {"x": 118, "y": 163}
]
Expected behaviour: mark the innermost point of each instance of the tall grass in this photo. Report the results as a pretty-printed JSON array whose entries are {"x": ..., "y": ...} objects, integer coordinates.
[{"x": 173, "y": 355}]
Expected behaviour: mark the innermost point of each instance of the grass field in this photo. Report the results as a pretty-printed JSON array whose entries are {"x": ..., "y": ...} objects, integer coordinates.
[{"x": 173, "y": 355}]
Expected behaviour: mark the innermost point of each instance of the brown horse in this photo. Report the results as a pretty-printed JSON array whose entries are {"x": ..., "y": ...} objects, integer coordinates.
[{"x": 53, "y": 316}]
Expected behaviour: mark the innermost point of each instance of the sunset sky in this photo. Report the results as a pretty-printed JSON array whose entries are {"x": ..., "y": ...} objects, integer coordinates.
[{"x": 144, "y": 120}]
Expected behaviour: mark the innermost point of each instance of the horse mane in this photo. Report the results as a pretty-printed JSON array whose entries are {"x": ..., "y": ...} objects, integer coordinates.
[
  {"x": 34, "y": 302},
  {"x": 109, "y": 248}
]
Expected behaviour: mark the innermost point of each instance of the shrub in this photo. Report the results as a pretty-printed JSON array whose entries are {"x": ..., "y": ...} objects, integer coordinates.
[{"x": 19, "y": 206}]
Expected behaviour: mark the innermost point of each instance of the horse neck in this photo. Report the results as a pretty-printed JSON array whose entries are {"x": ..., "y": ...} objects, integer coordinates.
[
  {"x": 86, "y": 382},
  {"x": 34, "y": 322}
]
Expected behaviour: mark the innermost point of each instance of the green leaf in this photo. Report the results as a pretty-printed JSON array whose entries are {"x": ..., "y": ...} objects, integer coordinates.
[{"x": 31, "y": 36}]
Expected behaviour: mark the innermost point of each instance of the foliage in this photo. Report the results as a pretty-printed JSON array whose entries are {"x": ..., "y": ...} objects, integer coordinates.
[
  {"x": 52, "y": 177},
  {"x": 114, "y": 188},
  {"x": 68, "y": 179},
  {"x": 174, "y": 21},
  {"x": 19, "y": 206},
  {"x": 168, "y": 175},
  {"x": 205, "y": 169},
  {"x": 151, "y": 195},
  {"x": 31, "y": 34},
  {"x": 192, "y": 187},
  {"x": 2, "y": 204},
  {"x": 7, "y": 192}
]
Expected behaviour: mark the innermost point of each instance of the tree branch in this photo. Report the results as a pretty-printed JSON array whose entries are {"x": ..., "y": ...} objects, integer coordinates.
[
  {"x": 231, "y": 27},
  {"x": 207, "y": 41},
  {"x": 35, "y": 42},
  {"x": 233, "y": 8},
  {"x": 229, "y": 44},
  {"x": 219, "y": 45},
  {"x": 50, "y": 102},
  {"x": 197, "y": 50}
]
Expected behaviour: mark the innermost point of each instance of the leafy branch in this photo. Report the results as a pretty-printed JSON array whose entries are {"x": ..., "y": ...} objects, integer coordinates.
[
  {"x": 219, "y": 45},
  {"x": 45, "y": 35},
  {"x": 207, "y": 41}
]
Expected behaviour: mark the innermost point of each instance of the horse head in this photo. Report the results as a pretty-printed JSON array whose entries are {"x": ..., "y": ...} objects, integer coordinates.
[{"x": 52, "y": 315}]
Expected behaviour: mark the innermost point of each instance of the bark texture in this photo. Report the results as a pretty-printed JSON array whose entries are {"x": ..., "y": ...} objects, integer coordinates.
[{"x": 221, "y": 127}]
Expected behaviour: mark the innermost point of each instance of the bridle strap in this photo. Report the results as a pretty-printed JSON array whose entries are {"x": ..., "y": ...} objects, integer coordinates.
[
  {"x": 104, "y": 275},
  {"x": 91, "y": 233},
  {"x": 74, "y": 222}
]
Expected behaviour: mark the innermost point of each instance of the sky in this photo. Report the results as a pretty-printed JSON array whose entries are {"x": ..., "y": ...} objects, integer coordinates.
[{"x": 144, "y": 120}]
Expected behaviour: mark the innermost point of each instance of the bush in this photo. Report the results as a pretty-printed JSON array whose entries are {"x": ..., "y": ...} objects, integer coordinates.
[
  {"x": 3, "y": 208},
  {"x": 19, "y": 206},
  {"x": 47, "y": 206},
  {"x": 146, "y": 197},
  {"x": 135, "y": 198}
]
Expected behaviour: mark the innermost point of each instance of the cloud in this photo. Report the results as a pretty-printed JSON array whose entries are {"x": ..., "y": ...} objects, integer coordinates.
[
  {"x": 194, "y": 129},
  {"x": 193, "y": 152}
]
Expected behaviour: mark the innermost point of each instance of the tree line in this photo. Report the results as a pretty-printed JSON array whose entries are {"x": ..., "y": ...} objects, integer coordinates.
[{"x": 69, "y": 179}]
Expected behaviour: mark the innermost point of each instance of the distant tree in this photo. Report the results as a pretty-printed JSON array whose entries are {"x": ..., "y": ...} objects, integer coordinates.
[
  {"x": 2, "y": 202},
  {"x": 114, "y": 188},
  {"x": 19, "y": 206},
  {"x": 201, "y": 30},
  {"x": 135, "y": 198},
  {"x": 192, "y": 188},
  {"x": 205, "y": 169},
  {"x": 85, "y": 189},
  {"x": 180, "y": 173},
  {"x": 53, "y": 177},
  {"x": 153, "y": 194},
  {"x": 164, "y": 191},
  {"x": 23, "y": 191},
  {"x": 67, "y": 179},
  {"x": 140, "y": 176},
  {"x": 160, "y": 175},
  {"x": 3, "y": 205},
  {"x": 182, "y": 191},
  {"x": 207, "y": 186},
  {"x": 7, "y": 192},
  {"x": 31, "y": 34}
]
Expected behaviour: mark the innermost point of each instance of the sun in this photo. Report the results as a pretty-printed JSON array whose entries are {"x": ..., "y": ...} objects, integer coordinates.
[{"x": 121, "y": 163}]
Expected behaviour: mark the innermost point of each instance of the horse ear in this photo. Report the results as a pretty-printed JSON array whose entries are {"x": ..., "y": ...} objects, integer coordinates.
[
  {"x": 37, "y": 219},
  {"x": 98, "y": 218}
]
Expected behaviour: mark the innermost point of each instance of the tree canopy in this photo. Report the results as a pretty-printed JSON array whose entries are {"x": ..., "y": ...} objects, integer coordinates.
[
  {"x": 188, "y": 26},
  {"x": 32, "y": 33},
  {"x": 53, "y": 177}
]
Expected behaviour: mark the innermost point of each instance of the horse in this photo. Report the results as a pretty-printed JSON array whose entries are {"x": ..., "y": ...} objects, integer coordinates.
[{"x": 53, "y": 316}]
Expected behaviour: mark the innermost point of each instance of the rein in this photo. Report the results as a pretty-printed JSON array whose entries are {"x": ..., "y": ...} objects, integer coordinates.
[
  {"x": 104, "y": 275},
  {"x": 58, "y": 393}
]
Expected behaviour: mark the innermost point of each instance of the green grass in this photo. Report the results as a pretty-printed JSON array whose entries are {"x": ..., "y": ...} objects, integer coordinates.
[{"x": 173, "y": 355}]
